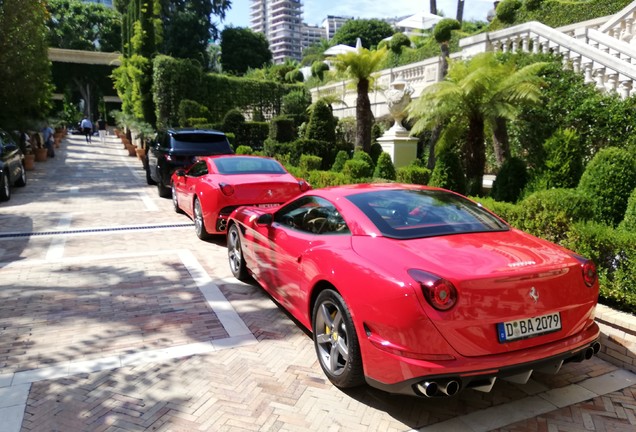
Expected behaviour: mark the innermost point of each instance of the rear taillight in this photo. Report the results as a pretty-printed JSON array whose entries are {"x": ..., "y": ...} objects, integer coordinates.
[
  {"x": 439, "y": 292},
  {"x": 304, "y": 186},
  {"x": 589, "y": 270},
  {"x": 226, "y": 189},
  {"x": 589, "y": 273}
]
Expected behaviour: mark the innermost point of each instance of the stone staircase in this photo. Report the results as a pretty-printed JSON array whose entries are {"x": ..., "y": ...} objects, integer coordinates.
[{"x": 603, "y": 50}]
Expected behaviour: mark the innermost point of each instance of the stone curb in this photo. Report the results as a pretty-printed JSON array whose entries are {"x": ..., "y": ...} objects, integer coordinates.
[{"x": 618, "y": 337}]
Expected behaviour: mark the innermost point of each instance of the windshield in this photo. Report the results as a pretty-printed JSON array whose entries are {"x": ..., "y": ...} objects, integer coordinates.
[
  {"x": 248, "y": 165},
  {"x": 409, "y": 214}
]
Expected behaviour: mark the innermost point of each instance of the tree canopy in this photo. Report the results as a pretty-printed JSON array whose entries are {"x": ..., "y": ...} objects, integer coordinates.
[
  {"x": 370, "y": 32},
  {"x": 25, "y": 69},
  {"x": 83, "y": 26},
  {"x": 242, "y": 49}
]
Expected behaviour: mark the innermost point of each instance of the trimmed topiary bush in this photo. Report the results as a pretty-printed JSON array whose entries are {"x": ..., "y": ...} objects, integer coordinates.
[
  {"x": 283, "y": 129},
  {"x": 448, "y": 172},
  {"x": 233, "y": 120},
  {"x": 510, "y": 181},
  {"x": 614, "y": 252},
  {"x": 629, "y": 221},
  {"x": 413, "y": 174},
  {"x": 550, "y": 214},
  {"x": 341, "y": 158},
  {"x": 564, "y": 160},
  {"x": 322, "y": 124},
  {"x": 533, "y": 4},
  {"x": 189, "y": 109},
  {"x": 507, "y": 10},
  {"x": 506, "y": 211},
  {"x": 309, "y": 162},
  {"x": 364, "y": 156},
  {"x": 384, "y": 169},
  {"x": 244, "y": 150},
  {"x": 609, "y": 179},
  {"x": 320, "y": 179},
  {"x": 357, "y": 169}
]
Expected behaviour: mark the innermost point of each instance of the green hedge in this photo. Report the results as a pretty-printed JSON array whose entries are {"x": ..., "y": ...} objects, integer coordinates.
[
  {"x": 320, "y": 179},
  {"x": 557, "y": 13},
  {"x": 178, "y": 79},
  {"x": 614, "y": 252},
  {"x": 413, "y": 174}
]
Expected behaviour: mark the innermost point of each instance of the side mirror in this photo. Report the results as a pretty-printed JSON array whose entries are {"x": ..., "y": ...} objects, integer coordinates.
[{"x": 264, "y": 219}]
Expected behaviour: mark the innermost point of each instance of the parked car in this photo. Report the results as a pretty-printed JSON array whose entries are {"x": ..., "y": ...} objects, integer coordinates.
[
  {"x": 418, "y": 290},
  {"x": 12, "y": 172},
  {"x": 214, "y": 186},
  {"x": 178, "y": 148}
]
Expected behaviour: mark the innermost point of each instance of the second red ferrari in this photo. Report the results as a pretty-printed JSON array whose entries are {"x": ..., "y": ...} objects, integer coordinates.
[{"x": 215, "y": 185}]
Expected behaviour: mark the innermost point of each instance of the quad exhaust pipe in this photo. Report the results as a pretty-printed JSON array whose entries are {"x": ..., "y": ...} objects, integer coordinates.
[{"x": 434, "y": 389}]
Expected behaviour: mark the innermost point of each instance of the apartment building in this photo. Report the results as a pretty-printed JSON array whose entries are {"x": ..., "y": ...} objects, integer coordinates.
[
  {"x": 311, "y": 35},
  {"x": 281, "y": 23},
  {"x": 332, "y": 23}
]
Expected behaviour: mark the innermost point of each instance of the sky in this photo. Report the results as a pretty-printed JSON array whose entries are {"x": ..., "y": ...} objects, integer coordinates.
[{"x": 314, "y": 11}]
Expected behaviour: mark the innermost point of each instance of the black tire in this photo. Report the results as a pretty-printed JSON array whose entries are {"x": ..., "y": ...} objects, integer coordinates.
[
  {"x": 5, "y": 188},
  {"x": 199, "y": 224},
  {"x": 336, "y": 341},
  {"x": 235, "y": 254},
  {"x": 149, "y": 179},
  {"x": 163, "y": 191},
  {"x": 22, "y": 180},
  {"x": 175, "y": 203}
]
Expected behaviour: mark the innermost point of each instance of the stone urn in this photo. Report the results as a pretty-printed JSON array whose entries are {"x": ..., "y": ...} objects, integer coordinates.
[{"x": 398, "y": 97}]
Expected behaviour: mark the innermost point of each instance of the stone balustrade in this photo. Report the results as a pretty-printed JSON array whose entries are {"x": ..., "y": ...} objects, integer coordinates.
[{"x": 602, "y": 49}]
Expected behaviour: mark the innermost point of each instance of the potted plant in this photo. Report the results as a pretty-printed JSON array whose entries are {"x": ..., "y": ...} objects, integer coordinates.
[{"x": 39, "y": 149}]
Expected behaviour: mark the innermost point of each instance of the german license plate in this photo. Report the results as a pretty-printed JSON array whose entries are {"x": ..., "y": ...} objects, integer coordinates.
[
  {"x": 270, "y": 205},
  {"x": 528, "y": 327}
]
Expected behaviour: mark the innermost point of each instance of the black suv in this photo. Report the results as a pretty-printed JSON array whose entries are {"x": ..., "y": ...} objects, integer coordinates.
[
  {"x": 12, "y": 170},
  {"x": 178, "y": 148}
]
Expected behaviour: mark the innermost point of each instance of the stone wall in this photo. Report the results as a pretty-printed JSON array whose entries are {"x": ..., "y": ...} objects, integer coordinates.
[{"x": 618, "y": 337}]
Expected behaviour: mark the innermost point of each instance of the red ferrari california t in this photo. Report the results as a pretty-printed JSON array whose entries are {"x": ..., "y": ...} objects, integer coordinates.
[
  {"x": 215, "y": 185},
  {"x": 418, "y": 290}
]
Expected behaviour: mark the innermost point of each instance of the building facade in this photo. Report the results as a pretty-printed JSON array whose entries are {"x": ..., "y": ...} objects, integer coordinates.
[
  {"x": 281, "y": 23},
  {"x": 332, "y": 23},
  {"x": 311, "y": 35}
]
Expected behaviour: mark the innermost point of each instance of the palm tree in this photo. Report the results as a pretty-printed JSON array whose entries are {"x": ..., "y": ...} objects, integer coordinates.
[
  {"x": 475, "y": 94},
  {"x": 433, "y": 7},
  {"x": 359, "y": 65}
]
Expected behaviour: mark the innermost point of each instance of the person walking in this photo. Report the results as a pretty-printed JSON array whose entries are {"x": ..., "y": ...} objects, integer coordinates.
[
  {"x": 87, "y": 128},
  {"x": 101, "y": 126}
]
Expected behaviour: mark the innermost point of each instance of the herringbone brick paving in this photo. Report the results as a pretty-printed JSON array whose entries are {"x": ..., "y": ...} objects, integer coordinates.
[{"x": 108, "y": 304}]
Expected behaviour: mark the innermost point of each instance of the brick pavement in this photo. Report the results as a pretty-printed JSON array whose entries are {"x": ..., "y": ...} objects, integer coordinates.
[{"x": 121, "y": 328}]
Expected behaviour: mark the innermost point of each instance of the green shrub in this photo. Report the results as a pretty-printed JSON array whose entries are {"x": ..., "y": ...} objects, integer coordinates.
[
  {"x": 273, "y": 148},
  {"x": 322, "y": 124},
  {"x": 295, "y": 104},
  {"x": 196, "y": 122},
  {"x": 310, "y": 162},
  {"x": 357, "y": 169},
  {"x": 384, "y": 169},
  {"x": 443, "y": 30},
  {"x": 375, "y": 152},
  {"x": 340, "y": 160},
  {"x": 448, "y": 172},
  {"x": 320, "y": 179},
  {"x": 506, "y": 211},
  {"x": 564, "y": 160},
  {"x": 364, "y": 156},
  {"x": 610, "y": 178},
  {"x": 629, "y": 221},
  {"x": 397, "y": 41},
  {"x": 507, "y": 10},
  {"x": 550, "y": 214},
  {"x": 244, "y": 150},
  {"x": 318, "y": 69},
  {"x": 533, "y": 4},
  {"x": 413, "y": 174},
  {"x": 233, "y": 120},
  {"x": 189, "y": 109},
  {"x": 614, "y": 252},
  {"x": 252, "y": 134},
  {"x": 510, "y": 181},
  {"x": 283, "y": 129}
]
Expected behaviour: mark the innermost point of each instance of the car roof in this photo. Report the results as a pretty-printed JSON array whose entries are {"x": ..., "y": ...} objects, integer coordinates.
[{"x": 334, "y": 192}]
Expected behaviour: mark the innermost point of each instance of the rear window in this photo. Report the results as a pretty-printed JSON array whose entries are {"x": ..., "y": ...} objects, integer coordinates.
[
  {"x": 248, "y": 165},
  {"x": 212, "y": 143},
  {"x": 409, "y": 214}
]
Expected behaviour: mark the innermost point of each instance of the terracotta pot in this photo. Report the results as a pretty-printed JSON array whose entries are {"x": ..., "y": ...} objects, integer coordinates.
[
  {"x": 141, "y": 153},
  {"x": 29, "y": 162},
  {"x": 132, "y": 150},
  {"x": 40, "y": 154}
]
